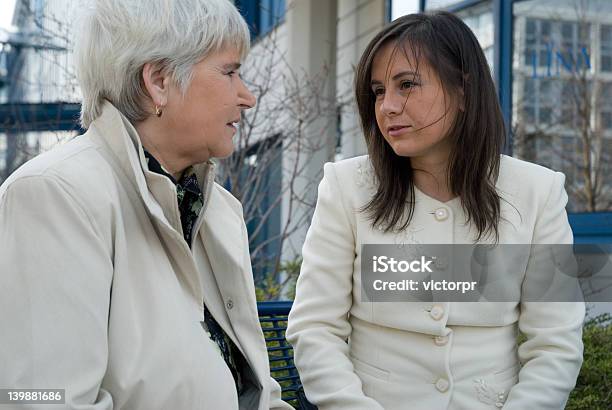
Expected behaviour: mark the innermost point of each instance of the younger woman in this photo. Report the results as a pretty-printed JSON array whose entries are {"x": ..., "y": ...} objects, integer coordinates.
[{"x": 434, "y": 175}]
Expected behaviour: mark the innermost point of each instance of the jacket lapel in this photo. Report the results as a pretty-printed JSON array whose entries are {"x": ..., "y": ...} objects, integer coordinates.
[
  {"x": 120, "y": 143},
  {"x": 223, "y": 240},
  {"x": 118, "y": 135},
  {"x": 221, "y": 231}
]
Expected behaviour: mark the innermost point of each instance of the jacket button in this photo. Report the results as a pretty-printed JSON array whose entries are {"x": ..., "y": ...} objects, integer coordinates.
[
  {"x": 436, "y": 312},
  {"x": 442, "y": 385},
  {"x": 229, "y": 304},
  {"x": 440, "y": 340},
  {"x": 441, "y": 214}
]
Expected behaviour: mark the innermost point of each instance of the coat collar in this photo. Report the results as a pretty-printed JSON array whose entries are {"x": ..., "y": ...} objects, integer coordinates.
[
  {"x": 219, "y": 229},
  {"x": 117, "y": 136},
  {"x": 123, "y": 140}
]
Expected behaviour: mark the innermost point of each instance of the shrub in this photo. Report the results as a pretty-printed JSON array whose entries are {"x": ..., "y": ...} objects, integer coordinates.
[{"x": 594, "y": 385}]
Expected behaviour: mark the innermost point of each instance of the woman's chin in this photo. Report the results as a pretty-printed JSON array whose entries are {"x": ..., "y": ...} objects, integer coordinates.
[
  {"x": 223, "y": 152},
  {"x": 402, "y": 150}
]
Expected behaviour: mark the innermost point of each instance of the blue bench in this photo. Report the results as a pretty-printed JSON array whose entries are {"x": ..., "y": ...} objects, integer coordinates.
[{"x": 273, "y": 319}]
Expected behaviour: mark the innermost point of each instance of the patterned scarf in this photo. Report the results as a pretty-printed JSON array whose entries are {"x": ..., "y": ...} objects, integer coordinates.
[{"x": 190, "y": 202}]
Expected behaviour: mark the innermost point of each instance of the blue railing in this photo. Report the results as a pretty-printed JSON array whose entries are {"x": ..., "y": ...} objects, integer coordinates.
[
  {"x": 591, "y": 227},
  {"x": 273, "y": 319}
]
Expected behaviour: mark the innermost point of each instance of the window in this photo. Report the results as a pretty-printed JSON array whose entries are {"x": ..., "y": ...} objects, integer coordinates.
[
  {"x": 557, "y": 46},
  {"x": 261, "y": 15},
  {"x": 479, "y": 18},
  {"x": 606, "y": 48},
  {"x": 254, "y": 176},
  {"x": 540, "y": 97},
  {"x": 271, "y": 13},
  {"x": 529, "y": 101},
  {"x": 605, "y": 97},
  {"x": 482, "y": 26},
  {"x": 556, "y": 102},
  {"x": 538, "y": 52},
  {"x": 575, "y": 45},
  {"x": 546, "y": 100},
  {"x": 606, "y": 120}
]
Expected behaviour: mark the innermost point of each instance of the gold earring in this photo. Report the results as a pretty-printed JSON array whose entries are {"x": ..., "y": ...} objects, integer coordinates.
[{"x": 158, "y": 111}]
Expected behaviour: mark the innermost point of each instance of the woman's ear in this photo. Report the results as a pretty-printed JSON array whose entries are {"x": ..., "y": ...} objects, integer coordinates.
[{"x": 156, "y": 82}]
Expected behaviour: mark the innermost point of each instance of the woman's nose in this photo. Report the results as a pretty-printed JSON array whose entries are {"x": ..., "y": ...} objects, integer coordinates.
[
  {"x": 391, "y": 104},
  {"x": 246, "y": 99}
]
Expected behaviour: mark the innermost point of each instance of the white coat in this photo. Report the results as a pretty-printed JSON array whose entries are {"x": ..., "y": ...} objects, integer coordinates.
[
  {"x": 101, "y": 296},
  {"x": 357, "y": 355}
]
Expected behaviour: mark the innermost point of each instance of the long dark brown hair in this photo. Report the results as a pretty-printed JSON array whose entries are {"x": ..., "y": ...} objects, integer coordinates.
[{"x": 477, "y": 132}]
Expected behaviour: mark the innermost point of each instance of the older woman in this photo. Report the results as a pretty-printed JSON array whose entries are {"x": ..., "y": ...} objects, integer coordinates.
[{"x": 124, "y": 271}]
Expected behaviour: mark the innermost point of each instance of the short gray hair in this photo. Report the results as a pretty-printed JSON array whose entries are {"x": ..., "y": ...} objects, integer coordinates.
[{"x": 118, "y": 37}]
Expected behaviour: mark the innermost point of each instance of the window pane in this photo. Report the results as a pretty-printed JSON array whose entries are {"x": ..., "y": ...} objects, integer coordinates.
[
  {"x": 436, "y": 4},
  {"x": 546, "y": 90},
  {"x": 544, "y": 58},
  {"x": 606, "y": 34},
  {"x": 606, "y": 94},
  {"x": 545, "y": 30},
  {"x": 606, "y": 63},
  {"x": 530, "y": 29},
  {"x": 545, "y": 115},
  {"x": 606, "y": 120},
  {"x": 529, "y": 114},
  {"x": 567, "y": 31},
  {"x": 480, "y": 19},
  {"x": 606, "y": 47}
]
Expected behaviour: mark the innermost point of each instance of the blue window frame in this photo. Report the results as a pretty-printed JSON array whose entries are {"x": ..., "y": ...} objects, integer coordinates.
[{"x": 261, "y": 15}]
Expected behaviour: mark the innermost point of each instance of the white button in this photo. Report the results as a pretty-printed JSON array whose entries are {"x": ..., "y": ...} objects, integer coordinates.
[
  {"x": 229, "y": 304},
  {"x": 442, "y": 385},
  {"x": 441, "y": 214},
  {"x": 440, "y": 340},
  {"x": 436, "y": 312}
]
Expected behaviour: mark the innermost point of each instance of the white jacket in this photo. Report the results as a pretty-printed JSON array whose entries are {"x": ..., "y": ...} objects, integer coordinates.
[
  {"x": 101, "y": 296},
  {"x": 421, "y": 355}
]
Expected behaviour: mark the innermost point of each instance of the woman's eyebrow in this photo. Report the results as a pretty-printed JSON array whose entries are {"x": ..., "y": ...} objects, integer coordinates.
[
  {"x": 231, "y": 66},
  {"x": 396, "y": 76}
]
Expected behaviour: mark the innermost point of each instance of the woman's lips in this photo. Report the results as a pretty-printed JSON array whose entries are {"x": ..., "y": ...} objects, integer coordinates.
[
  {"x": 398, "y": 130},
  {"x": 232, "y": 126}
]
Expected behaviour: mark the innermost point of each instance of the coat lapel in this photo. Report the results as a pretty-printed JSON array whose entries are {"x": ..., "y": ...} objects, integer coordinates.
[
  {"x": 121, "y": 138},
  {"x": 221, "y": 232},
  {"x": 223, "y": 239},
  {"x": 116, "y": 135}
]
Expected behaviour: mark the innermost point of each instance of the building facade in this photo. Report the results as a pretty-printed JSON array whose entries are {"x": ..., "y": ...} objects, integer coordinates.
[{"x": 37, "y": 70}]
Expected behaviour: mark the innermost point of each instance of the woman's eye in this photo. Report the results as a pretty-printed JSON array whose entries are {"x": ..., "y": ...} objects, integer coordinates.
[
  {"x": 379, "y": 91},
  {"x": 232, "y": 73},
  {"x": 405, "y": 85}
]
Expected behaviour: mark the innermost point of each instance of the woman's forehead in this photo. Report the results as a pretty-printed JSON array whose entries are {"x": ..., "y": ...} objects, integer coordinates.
[{"x": 392, "y": 58}]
